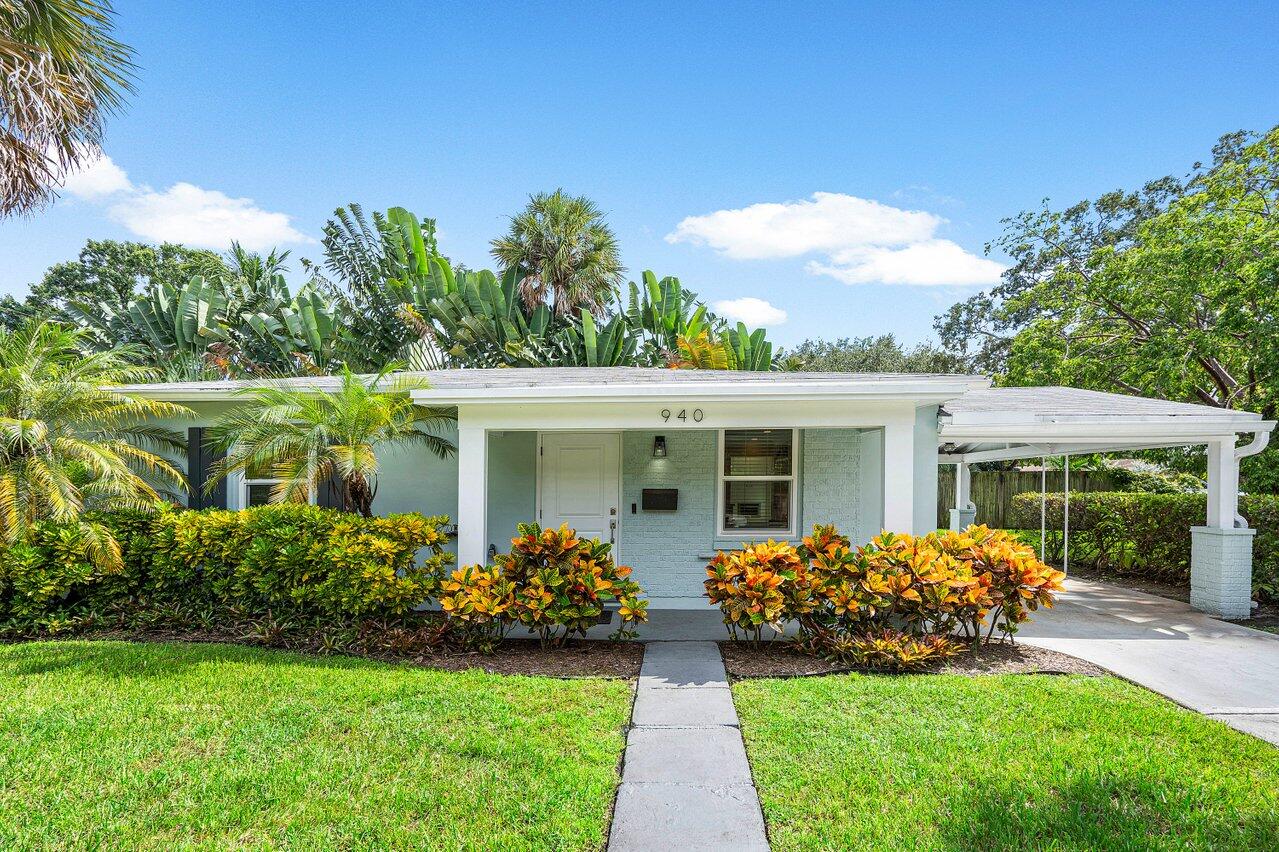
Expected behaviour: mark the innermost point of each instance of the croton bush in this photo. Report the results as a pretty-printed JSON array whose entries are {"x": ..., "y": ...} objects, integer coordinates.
[
  {"x": 552, "y": 582},
  {"x": 899, "y": 596}
]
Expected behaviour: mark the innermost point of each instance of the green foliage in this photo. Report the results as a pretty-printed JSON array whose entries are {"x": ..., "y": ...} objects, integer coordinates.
[
  {"x": 111, "y": 274},
  {"x": 881, "y": 354},
  {"x": 565, "y": 253},
  {"x": 1170, "y": 292},
  {"x": 1148, "y": 534},
  {"x": 295, "y": 559},
  {"x": 307, "y": 438},
  {"x": 62, "y": 72},
  {"x": 886, "y": 649},
  {"x": 69, "y": 443}
]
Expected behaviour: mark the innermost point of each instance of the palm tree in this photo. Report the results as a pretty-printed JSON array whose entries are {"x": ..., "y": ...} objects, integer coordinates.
[
  {"x": 306, "y": 437},
  {"x": 565, "y": 251},
  {"x": 61, "y": 74},
  {"x": 69, "y": 442}
]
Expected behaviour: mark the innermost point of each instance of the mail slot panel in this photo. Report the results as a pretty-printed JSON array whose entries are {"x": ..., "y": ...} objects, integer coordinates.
[{"x": 660, "y": 499}]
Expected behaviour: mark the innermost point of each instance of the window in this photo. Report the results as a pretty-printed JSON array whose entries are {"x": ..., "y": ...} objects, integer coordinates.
[
  {"x": 258, "y": 482},
  {"x": 252, "y": 487},
  {"x": 757, "y": 482}
]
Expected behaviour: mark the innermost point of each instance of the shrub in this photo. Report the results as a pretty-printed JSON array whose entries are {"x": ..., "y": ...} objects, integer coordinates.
[
  {"x": 925, "y": 585},
  {"x": 298, "y": 560},
  {"x": 885, "y": 649},
  {"x": 552, "y": 582},
  {"x": 758, "y": 585},
  {"x": 1148, "y": 534}
]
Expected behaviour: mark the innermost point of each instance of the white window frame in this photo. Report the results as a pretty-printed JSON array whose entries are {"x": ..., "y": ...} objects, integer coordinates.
[
  {"x": 793, "y": 478},
  {"x": 238, "y": 490}
]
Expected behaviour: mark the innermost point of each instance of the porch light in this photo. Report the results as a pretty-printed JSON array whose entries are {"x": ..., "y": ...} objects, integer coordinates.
[{"x": 659, "y": 447}]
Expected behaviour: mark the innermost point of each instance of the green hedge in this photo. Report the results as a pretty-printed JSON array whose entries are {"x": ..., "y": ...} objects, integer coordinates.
[
  {"x": 1149, "y": 534},
  {"x": 300, "y": 559}
]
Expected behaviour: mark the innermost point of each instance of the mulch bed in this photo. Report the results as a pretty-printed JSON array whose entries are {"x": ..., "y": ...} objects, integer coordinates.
[
  {"x": 512, "y": 657},
  {"x": 780, "y": 659}
]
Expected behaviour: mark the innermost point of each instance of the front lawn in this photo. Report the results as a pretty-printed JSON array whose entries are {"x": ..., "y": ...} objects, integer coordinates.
[
  {"x": 1008, "y": 762},
  {"x": 119, "y": 745}
]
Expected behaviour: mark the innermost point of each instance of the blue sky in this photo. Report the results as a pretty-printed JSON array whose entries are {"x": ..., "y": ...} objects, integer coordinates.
[{"x": 765, "y": 152}]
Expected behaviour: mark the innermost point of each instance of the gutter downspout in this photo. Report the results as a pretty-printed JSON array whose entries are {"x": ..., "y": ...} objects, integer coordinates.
[{"x": 1258, "y": 443}]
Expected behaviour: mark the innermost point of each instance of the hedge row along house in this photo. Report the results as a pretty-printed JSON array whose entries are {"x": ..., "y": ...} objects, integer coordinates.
[{"x": 671, "y": 465}]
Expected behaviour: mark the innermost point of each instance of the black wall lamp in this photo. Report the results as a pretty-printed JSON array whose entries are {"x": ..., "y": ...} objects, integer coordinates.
[{"x": 659, "y": 447}]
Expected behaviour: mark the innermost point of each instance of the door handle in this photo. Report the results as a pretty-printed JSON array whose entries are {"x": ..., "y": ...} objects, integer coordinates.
[{"x": 612, "y": 531}]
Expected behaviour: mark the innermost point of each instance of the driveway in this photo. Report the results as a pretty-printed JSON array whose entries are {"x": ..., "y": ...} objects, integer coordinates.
[{"x": 1222, "y": 670}]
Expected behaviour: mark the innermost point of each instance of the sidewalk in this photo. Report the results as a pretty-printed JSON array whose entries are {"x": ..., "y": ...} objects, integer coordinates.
[{"x": 685, "y": 783}]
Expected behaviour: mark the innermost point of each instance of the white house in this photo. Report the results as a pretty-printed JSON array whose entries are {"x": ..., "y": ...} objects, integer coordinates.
[{"x": 671, "y": 465}]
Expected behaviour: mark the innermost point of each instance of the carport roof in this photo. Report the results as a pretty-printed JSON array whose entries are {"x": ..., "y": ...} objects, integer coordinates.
[{"x": 989, "y": 424}]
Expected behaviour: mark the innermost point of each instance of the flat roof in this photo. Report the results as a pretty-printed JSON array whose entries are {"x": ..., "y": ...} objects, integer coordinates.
[{"x": 555, "y": 383}]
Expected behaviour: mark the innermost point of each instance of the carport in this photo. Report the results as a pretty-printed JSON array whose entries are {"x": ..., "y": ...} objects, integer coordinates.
[{"x": 999, "y": 424}]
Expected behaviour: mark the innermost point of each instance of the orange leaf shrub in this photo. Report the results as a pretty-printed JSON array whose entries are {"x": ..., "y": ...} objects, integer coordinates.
[
  {"x": 930, "y": 585},
  {"x": 552, "y": 582}
]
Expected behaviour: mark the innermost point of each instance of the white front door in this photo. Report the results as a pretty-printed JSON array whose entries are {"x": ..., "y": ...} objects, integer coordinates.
[{"x": 581, "y": 482}]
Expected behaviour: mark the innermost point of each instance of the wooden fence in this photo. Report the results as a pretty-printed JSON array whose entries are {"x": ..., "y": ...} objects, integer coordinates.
[{"x": 993, "y": 490}]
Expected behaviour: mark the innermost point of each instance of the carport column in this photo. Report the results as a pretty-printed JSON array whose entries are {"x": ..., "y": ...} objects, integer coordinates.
[
  {"x": 1221, "y": 553},
  {"x": 899, "y": 473},
  {"x": 472, "y": 491},
  {"x": 964, "y": 514}
]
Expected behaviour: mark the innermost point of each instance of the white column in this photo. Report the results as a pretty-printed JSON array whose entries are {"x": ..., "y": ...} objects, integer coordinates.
[
  {"x": 1220, "y": 553},
  {"x": 472, "y": 492},
  {"x": 1223, "y": 483},
  {"x": 965, "y": 513},
  {"x": 899, "y": 474}
]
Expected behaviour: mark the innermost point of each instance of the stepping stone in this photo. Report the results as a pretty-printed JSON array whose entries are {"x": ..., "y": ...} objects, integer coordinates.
[
  {"x": 684, "y": 706},
  {"x": 683, "y": 816},
  {"x": 706, "y": 755}
]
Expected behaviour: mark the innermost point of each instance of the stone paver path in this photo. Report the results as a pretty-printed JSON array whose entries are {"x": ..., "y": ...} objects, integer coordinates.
[{"x": 685, "y": 781}]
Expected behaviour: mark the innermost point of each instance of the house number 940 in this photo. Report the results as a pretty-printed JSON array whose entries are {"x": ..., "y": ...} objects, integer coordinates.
[{"x": 683, "y": 414}]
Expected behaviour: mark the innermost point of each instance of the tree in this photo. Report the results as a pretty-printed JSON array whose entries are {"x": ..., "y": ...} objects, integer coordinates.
[
  {"x": 111, "y": 274},
  {"x": 69, "y": 442},
  {"x": 307, "y": 438},
  {"x": 1172, "y": 292},
  {"x": 565, "y": 253},
  {"x": 61, "y": 74},
  {"x": 881, "y": 354}
]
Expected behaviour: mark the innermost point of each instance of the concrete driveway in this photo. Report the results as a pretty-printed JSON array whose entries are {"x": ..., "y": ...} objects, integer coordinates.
[{"x": 1222, "y": 670}]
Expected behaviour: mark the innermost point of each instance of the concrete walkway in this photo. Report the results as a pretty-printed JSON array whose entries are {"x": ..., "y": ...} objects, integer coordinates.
[
  {"x": 685, "y": 781},
  {"x": 1223, "y": 670}
]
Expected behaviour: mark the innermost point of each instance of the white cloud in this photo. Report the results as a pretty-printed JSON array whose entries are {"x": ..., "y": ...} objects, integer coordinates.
[
  {"x": 99, "y": 178},
  {"x": 927, "y": 263},
  {"x": 754, "y": 312},
  {"x": 862, "y": 240},
  {"x": 204, "y": 218},
  {"x": 183, "y": 213}
]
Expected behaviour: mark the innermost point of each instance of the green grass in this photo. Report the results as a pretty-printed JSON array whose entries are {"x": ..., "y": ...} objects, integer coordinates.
[
  {"x": 118, "y": 745},
  {"x": 1011, "y": 762}
]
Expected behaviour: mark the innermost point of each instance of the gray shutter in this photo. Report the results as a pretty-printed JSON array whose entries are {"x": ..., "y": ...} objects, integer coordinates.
[
  {"x": 200, "y": 458},
  {"x": 329, "y": 495}
]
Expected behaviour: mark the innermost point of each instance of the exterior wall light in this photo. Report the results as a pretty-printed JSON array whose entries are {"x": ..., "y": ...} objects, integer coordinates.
[{"x": 659, "y": 447}]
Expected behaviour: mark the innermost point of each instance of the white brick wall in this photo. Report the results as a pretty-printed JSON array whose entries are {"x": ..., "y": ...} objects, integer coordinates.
[
  {"x": 1221, "y": 571},
  {"x": 669, "y": 550}
]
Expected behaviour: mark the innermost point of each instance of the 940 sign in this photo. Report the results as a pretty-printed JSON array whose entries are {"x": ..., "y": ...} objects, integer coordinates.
[{"x": 682, "y": 414}]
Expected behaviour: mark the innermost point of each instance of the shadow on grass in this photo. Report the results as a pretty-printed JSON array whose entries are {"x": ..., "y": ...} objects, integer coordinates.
[{"x": 1104, "y": 812}]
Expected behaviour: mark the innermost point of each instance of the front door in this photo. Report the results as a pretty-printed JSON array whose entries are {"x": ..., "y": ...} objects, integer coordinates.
[{"x": 581, "y": 482}]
